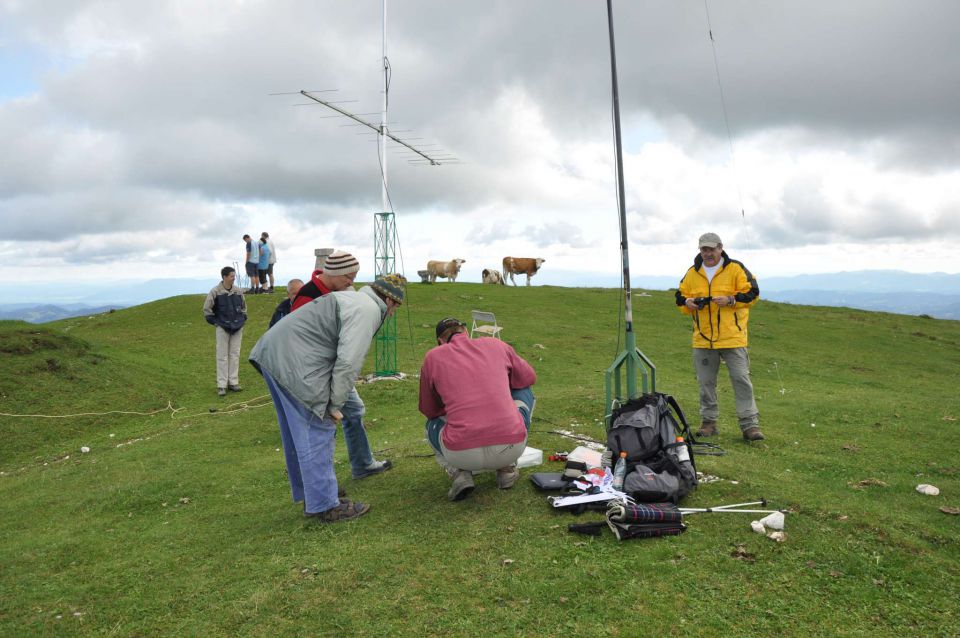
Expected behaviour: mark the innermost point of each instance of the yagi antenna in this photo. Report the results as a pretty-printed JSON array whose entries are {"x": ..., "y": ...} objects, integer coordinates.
[{"x": 373, "y": 127}]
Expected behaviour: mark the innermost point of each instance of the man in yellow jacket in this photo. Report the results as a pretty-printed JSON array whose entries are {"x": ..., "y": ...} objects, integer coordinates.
[{"x": 717, "y": 292}]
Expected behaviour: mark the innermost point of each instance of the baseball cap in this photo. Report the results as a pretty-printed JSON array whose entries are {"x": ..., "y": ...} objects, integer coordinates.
[{"x": 710, "y": 240}]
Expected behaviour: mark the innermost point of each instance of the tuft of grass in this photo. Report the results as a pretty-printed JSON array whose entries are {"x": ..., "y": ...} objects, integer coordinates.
[{"x": 178, "y": 520}]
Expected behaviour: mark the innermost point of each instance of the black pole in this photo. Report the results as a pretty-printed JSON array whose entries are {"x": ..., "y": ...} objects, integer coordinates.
[{"x": 624, "y": 248}]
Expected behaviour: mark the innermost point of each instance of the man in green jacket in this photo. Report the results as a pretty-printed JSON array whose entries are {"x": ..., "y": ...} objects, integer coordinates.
[
  {"x": 310, "y": 361},
  {"x": 717, "y": 293}
]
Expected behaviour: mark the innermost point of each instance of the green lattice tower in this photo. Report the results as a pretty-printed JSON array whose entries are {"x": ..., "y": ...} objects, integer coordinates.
[{"x": 384, "y": 252}]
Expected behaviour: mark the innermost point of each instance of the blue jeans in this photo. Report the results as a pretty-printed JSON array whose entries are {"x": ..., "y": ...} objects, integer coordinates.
[
  {"x": 354, "y": 434},
  {"x": 523, "y": 395},
  {"x": 308, "y": 449}
]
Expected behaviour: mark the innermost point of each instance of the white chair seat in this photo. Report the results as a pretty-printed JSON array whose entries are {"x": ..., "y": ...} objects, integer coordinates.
[{"x": 485, "y": 323}]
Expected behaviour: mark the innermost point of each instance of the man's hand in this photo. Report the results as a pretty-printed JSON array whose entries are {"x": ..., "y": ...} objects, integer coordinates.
[
  {"x": 337, "y": 416},
  {"x": 725, "y": 301},
  {"x": 691, "y": 304}
]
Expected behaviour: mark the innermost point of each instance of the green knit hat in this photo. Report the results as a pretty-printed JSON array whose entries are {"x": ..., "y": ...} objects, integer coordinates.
[{"x": 390, "y": 286}]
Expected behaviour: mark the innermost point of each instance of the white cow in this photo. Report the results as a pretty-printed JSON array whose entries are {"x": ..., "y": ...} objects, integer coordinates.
[
  {"x": 445, "y": 269},
  {"x": 491, "y": 276}
]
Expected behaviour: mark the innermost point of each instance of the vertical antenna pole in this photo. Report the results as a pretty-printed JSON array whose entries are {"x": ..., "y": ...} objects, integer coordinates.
[
  {"x": 385, "y": 233},
  {"x": 631, "y": 358},
  {"x": 631, "y": 342},
  {"x": 383, "y": 115}
]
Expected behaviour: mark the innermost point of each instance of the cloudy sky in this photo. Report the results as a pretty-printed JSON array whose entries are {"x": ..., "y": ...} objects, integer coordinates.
[{"x": 141, "y": 139}]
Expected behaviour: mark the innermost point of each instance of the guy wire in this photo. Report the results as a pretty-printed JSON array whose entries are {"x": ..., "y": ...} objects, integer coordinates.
[{"x": 726, "y": 122}]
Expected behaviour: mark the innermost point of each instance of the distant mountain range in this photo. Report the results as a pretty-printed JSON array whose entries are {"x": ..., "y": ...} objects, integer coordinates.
[
  {"x": 933, "y": 294},
  {"x": 47, "y": 312}
]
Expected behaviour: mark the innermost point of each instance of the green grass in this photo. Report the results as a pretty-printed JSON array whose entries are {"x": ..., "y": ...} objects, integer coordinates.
[{"x": 180, "y": 522}]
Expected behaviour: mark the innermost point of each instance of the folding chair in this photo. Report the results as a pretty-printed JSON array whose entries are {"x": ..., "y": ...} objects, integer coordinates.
[{"x": 485, "y": 323}]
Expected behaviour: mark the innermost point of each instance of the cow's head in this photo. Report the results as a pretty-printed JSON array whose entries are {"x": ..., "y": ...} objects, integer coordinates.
[
  {"x": 539, "y": 261},
  {"x": 458, "y": 262}
]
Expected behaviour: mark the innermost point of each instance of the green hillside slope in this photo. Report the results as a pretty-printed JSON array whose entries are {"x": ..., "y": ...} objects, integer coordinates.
[{"x": 178, "y": 521}]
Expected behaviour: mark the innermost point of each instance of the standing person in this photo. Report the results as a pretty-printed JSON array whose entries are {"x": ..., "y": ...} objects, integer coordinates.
[
  {"x": 476, "y": 396},
  {"x": 310, "y": 362},
  {"x": 717, "y": 292},
  {"x": 339, "y": 273},
  {"x": 263, "y": 264},
  {"x": 285, "y": 307},
  {"x": 252, "y": 263},
  {"x": 226, "y": 310},
  {"x": 273, "y": 257}
]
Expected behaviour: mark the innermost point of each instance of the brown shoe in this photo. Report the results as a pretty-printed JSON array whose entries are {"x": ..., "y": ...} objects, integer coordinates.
[
  {"x": 753, "y": 434},
  {"x": 462, "y": 485},
  {"x": 343, "y": 511},
  {"x": 708, "y": 428},
  {"x": 507, "y": 476}
]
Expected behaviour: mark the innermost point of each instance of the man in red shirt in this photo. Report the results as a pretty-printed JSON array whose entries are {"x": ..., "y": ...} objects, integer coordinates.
[
  {"x": 338, "y": 273},
  {"x": 476, "y": 396}
]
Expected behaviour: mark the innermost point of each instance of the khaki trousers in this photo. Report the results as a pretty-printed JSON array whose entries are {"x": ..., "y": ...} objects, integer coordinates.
[
  {"x": 228, "y": 357},
  {"x": 707, "y": 364}
]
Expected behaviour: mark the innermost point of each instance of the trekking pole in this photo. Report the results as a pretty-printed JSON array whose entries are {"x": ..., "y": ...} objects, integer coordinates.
[
  {"x": 728, "y": 508},
  {"x": 762, "y": 502},
  {"x": 691, "y": 510}
]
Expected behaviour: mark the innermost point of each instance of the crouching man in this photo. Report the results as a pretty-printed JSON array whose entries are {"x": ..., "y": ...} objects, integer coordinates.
[
  {"x": 476, "y": 396},
  {"x": 310, "y": 361}
]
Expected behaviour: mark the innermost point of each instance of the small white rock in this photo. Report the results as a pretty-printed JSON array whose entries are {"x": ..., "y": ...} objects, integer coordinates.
[
  {"x": 757, "y": 526},
  {"x": 773, "y": 521},
  {"x": 929, "y": 490},
  {"x": 84, "y": 449},
  {"x": 777, "y": 536}
]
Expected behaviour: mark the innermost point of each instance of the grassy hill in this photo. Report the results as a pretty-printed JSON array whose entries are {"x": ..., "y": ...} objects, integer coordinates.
[{"x": 178, "y": 520}]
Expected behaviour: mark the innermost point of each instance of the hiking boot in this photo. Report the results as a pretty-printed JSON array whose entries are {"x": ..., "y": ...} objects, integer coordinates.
[
  {"x": 236, "y": 387},
  {"x": 222, "y": 392},
  {"x": 507, "y": 476},
  {"x": 708, "y": 428},
  {"x": 462, "y": 485},
  {"x": 753, "y": 434},
  {"x": 374, "y": 468},
  {"x": 343, "y": 511}
]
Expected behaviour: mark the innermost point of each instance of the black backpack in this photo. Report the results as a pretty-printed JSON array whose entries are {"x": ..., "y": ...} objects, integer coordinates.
[{"x": 646, "y": 428}]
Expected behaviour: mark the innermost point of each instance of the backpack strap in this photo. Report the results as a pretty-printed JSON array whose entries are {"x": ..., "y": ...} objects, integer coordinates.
[{"x": 685, "y": 432}]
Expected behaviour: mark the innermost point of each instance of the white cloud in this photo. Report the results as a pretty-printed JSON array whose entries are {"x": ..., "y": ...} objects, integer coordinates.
[{"x": 151, "y": 141}]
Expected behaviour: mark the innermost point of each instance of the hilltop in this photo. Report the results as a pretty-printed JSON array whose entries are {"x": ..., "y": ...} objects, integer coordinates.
[{"x": 179, "y": 522}]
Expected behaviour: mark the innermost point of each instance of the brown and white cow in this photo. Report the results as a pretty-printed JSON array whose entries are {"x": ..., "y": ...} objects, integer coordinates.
[
  {"x": 491, "y": 276},
  {"x": 521, "y": 266},
  {"x": 445, "y": 269}
]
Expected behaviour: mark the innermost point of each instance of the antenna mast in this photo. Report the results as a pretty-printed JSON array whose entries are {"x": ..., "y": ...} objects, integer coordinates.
[
  {"x": 385, "y": 229},
  {"x": 630, "y": 358}
]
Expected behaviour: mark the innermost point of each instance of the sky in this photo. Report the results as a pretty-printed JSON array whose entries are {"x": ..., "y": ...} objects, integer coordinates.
[{"x": 142, "y": 140}]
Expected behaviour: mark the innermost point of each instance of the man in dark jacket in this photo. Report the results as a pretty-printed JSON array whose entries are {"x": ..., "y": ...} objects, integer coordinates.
[
  {"x": 285, "y": 307},
  {"x": 226, "y": 310}
]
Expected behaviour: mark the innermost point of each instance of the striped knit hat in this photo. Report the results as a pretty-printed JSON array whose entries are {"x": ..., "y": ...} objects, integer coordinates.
[
  {"x": 390, "y": 286},
  {"x": 341, "y": 263}
]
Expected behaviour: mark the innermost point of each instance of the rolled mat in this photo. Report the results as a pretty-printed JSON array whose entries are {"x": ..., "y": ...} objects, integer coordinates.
[{"x": 644, "y": 520}]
